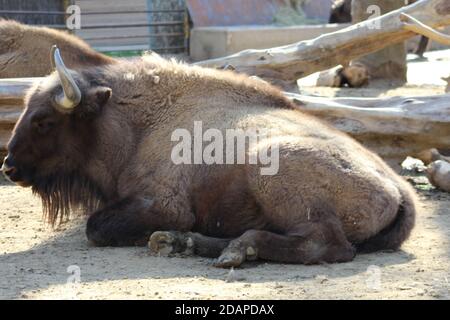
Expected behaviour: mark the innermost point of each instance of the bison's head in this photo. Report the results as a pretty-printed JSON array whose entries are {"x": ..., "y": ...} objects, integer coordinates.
[{"x": 53, "y": 135}]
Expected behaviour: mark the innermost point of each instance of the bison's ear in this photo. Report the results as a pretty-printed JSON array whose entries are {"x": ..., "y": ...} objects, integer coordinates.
[
  {"x": 95, "y": 99},
  {"x": 101, "y": 95}
]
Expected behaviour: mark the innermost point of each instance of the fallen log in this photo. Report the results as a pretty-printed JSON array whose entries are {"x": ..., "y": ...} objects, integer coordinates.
[
  {"x": 12, "y": 93},
  {"x": 294, "y": 61},
  {"x": 14, "y": 89},
  {"x": 431, "y": 155},
  {"x": 447, "y": 89},
  {"x": 392, "y": 127},
  {"x": 355, "y": 75},
  {"x": 438, "y": 174},
  {"x": 414, "y": 25}
]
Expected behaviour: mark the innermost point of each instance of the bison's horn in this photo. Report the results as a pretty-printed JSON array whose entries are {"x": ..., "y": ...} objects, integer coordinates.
[
  {"x": 71, "y": 95},
  {"x": 52, "y": 54}
]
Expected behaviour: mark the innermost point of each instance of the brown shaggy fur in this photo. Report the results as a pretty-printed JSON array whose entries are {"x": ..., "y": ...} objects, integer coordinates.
[
  {"x": 24, "y": 50},
  {"x": 330, "y": 194}
]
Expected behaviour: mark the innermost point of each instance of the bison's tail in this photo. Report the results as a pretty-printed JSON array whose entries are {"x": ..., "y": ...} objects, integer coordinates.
[{"x": 392, "y": 237}]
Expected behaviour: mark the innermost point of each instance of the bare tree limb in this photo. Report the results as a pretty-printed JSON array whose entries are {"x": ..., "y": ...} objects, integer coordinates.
[
  {"x": 438, "y": 173},
  {"x": 430, "y": 155},
  {"x": 414, "y": 25},
  {"x": 392, "y": 127},
  {"x": 12, "y": 93},
  {"x": 300, "y": 59}
]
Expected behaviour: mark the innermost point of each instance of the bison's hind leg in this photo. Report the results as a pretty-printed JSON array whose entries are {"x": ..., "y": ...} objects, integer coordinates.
[
  {"x": 308, "y": 243},
  {"x": 392, "y": 237}
]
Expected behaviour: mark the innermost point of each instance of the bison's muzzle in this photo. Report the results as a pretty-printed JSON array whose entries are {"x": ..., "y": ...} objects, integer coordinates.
[
  {"x": 12, "y": 173},
  {"x": 7, "y": 168}
]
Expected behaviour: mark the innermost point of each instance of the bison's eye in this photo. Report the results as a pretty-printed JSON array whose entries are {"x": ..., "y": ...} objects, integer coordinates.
[{"x": 43, "y": 126}]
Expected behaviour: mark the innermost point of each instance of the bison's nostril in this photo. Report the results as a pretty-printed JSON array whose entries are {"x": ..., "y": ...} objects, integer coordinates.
[
  {"x": 7, "y": 162},
  {"x": 8, "y": 170}
]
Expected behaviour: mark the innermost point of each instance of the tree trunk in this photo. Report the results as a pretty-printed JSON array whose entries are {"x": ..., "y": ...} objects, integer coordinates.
[
  {"x": 394, "y": 128},
  {"x": 390, "y": 62},
  {"x": 298, "y": 60}
]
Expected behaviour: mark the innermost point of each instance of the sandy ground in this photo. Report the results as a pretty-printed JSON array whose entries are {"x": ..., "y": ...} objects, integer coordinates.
[{"x": 37, "y": 262}]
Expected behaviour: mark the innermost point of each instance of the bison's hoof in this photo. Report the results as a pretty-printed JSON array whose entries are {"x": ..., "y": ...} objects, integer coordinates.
[
  {"x": 162, "y": 242},
  {"x": 230, "y": 258},
  {"x": 346, "y": 255},
  {"x": 168, "y": 242},
  {"x": 251, "y": 254}
]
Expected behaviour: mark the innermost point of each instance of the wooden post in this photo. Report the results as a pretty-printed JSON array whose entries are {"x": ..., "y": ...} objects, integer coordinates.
[{"x": 390, "y": 62}]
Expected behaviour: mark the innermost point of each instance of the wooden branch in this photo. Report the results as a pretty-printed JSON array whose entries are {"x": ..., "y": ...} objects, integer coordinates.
[
  {"x": 447, "y": 79},
  {"x": 430, "y": 155},
  {"x": 438, "y": 174},
  {"x": 392, "y": 127},
  {"x": 306, "y": 57},
  {"x": 414, "y": 25},
  {"x": 12, "y": 93},
  {"x": 14, "y": 89},
  {"x": 355, "y": 75}
]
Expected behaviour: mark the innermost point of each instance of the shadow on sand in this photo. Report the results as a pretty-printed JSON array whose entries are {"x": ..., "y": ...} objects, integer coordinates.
[{"x": 47, "y": 264}]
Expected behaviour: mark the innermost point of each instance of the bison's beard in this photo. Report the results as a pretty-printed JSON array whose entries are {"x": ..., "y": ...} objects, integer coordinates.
[{"x": 62, "y": 194}]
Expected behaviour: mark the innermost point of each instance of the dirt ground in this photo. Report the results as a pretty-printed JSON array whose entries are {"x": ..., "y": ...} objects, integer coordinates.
[{"x": 37, "y": 262}]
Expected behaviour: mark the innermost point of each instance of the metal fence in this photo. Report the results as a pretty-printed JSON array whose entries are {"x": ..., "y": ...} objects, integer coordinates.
[{"x": 161, "y": 30}]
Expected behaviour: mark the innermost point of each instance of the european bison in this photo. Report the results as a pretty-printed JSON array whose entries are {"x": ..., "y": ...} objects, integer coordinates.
[
  {"x": 101, "y": 139},
  {"x": 24, "y": 50}
]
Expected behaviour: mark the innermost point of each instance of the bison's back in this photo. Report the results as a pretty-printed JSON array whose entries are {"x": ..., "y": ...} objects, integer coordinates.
[{"x": 25, "y": 50}]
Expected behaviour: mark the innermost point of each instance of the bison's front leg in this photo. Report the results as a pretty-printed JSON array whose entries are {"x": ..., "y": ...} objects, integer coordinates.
[
  {"x": 131, "y": 221},
  {"x": 168, "y": 242}
]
